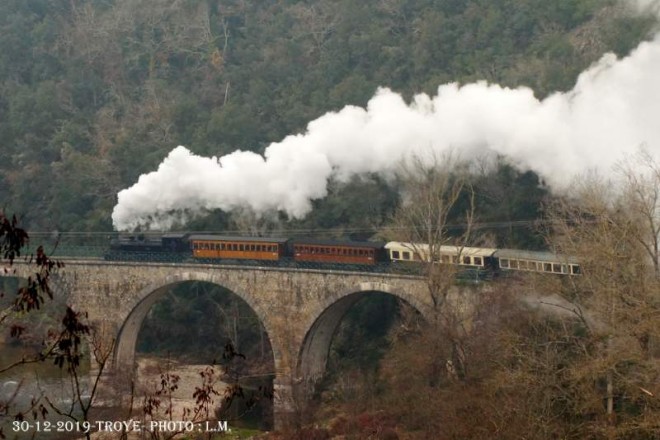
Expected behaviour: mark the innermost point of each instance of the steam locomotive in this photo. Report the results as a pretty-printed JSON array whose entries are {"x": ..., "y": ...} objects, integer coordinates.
[{"x": 352, "y": 255}]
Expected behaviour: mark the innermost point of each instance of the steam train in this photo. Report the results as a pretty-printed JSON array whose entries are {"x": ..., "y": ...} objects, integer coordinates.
[{"x": 353, "y": 255}]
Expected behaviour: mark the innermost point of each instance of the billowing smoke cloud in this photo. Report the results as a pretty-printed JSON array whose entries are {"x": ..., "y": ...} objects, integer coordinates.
[{"x": 613, "y": 109}]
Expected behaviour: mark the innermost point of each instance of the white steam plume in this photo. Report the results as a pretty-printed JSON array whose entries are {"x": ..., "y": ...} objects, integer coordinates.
[{"x": 612, "y": 110}]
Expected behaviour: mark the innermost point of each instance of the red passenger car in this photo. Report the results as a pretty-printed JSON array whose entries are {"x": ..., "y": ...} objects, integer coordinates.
[{"x": 341, "y": 252}]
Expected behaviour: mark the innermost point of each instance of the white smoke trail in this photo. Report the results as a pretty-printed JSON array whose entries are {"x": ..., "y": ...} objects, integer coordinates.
[{"x": 612, "y": 110}]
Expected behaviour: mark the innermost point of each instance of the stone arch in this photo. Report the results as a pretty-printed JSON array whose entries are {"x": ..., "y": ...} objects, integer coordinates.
[
  {"x": 124, "y": 351},
  {"x": 313, "y": 353}
]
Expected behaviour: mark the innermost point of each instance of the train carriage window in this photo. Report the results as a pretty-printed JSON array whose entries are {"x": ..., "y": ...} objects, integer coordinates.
[
  {"x": 445, "y": 259},
  {"x": 575, "y": 269},
  {"x": 564, "y": 268},
  {"x": 395, "y": 255},
  {"x": 523, "y": 265},
  {"x": 406, "y": 255},
  {"x": 466, "y": 260},
  {"x": 556, "y": 267},
  {"x": 547, "y": 267},
  {"x": 195, "y": 245},
  {"x": 478, "y": 261},
  {"x": 504, "y": 263},
  {"x": 513, "y": 264}
]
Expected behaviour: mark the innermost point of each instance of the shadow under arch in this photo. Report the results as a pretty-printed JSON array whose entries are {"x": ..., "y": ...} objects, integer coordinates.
[
  {"x": 313, "y": 354},
  {"x": 124, "y": 351}
]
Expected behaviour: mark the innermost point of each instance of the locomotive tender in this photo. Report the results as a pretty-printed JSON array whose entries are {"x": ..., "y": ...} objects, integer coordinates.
[{"x": 354, "y": 255}]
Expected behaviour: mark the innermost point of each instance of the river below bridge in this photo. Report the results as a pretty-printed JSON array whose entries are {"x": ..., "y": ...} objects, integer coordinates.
[{"x": 28, "y": 386}]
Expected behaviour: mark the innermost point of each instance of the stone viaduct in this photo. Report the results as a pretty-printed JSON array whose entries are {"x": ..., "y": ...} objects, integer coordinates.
[{"x": 299, "y": 309}]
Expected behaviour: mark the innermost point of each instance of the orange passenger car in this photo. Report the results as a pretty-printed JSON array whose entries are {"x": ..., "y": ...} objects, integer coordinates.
[{"x": 237, "y": 248}]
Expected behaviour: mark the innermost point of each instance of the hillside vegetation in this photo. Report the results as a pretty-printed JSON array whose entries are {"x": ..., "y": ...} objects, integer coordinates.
[{"x": 94, "y": 93}]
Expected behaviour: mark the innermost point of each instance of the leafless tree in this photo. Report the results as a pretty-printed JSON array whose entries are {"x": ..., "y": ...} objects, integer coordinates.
[
  {"x": 432, "y": 189},
  {"x": 612, "y": 230}
]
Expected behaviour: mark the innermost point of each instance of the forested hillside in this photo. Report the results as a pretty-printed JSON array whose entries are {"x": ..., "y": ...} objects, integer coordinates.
[{"x": 94, "y": 93}]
